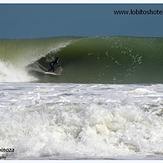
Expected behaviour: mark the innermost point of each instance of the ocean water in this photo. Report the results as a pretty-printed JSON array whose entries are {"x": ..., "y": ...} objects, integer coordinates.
[
  {"x": 104, "y": 60},
  {"x": 81, "y": 121},
  {"x": 105, "y": 101}
]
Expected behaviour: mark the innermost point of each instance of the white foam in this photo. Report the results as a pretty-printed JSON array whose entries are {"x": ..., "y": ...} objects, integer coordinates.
[
  {"x": 142, "y": 91},
  {"x": 80, "y": 121},
  {"x": 11, "y": 73}
]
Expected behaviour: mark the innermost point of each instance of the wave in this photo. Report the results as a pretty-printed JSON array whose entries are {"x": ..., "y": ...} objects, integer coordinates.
[
  {"x": 18, "y": 56},
  {"x": 91, "y": 121},
  {"x": 10, "y": 73},
  {"x": 88, "y": 59}
]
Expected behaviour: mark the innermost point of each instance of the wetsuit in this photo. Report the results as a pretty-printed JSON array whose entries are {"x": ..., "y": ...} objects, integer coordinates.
[{"x": 54, "y": 64}]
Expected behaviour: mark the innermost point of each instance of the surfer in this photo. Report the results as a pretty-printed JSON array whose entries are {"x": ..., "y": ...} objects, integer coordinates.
[{"x": 54, "y": 64}]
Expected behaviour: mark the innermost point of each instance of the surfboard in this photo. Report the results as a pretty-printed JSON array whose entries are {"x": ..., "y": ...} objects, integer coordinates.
[{"x": 51, "y": 73}]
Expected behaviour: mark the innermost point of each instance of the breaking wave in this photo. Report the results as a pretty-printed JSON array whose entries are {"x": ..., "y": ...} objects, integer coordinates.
[
  {"x": 10, "y": 73},
  {"x": 78, "y": 121},
  {"x": 18, "y": 56},
  {"x": 88, "y": 60}
]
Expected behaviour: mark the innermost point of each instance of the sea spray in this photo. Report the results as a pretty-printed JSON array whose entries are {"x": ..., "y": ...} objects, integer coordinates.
[{"x": 12, "y": 73}]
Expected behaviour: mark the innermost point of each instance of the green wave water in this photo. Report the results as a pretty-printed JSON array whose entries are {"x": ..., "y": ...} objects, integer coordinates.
[{"x": 88, "y": 59}]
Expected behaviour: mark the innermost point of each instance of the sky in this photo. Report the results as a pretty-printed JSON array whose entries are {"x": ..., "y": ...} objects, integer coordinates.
[{"x": 48, "y": 20}]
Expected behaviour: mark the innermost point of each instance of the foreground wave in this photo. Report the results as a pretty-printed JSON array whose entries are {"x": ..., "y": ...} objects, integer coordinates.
[
  {"x": 75, "y": 121},
  {"x": 83, "y": 60}
]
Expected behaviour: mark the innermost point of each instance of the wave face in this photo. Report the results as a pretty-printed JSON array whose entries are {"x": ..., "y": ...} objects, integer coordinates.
[{"x": 87, "y": 60}]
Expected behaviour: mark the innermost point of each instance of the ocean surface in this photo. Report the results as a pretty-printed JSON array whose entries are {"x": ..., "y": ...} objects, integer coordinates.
[
  {"x": 105, "y": 60},
  {"x": 105, "y": 101},
  {"x": 81, "y": 121}
]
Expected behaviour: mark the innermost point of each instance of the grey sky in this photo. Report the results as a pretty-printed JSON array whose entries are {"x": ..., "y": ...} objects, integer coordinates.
[{"x": 32, "y": 21}]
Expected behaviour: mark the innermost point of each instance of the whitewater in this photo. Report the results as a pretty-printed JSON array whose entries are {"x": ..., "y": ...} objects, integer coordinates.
[
  {"x": 107, "y": 102},
  {"x": 81, "y": 121}
]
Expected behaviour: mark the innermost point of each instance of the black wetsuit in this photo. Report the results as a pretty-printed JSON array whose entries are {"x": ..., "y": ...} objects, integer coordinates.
[{"x": 54, "y": 64}]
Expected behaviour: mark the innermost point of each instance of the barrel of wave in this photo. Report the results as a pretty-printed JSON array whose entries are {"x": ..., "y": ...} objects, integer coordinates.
[{"x": 16, "y": 55}]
